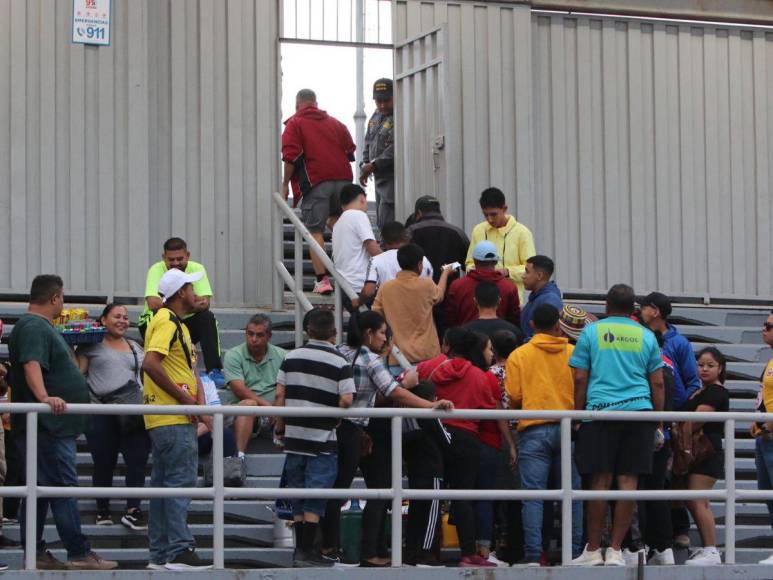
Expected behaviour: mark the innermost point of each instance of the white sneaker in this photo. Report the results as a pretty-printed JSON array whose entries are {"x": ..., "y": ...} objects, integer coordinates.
[
  {"x": 588, "y": 558},
  {"x": 708, "y": 556},
  {"x": 767, "y": 561},
  {"x": 492, "y": 557},
  {"x": 614, "y": 558},
  {"x": 664, "y": 558},
  {"x": 632, "y": 558}
]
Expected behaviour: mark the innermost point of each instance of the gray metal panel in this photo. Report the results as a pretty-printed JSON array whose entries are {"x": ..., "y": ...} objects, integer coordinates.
[
  {"x": 636, "y": 151},
  {"x": 106, "y": 152}
]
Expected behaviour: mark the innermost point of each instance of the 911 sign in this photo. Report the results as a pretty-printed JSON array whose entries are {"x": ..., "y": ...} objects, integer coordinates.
[{"x": 91, "y": 21}]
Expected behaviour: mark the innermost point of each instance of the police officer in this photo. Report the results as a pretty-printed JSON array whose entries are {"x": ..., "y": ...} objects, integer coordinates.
[{"x": 378, "y": 154}]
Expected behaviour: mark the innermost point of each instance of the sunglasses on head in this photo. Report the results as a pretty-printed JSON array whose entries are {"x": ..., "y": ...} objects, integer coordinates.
[{"x": 768, "y": 326}]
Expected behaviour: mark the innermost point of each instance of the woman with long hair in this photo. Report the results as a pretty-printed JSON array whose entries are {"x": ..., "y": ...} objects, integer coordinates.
[
  {"x": 112, "y": 369},
  {"x": 366, "y": 443},
  {"x": 712, "y": 396},
  {"x": 459, "y": 380}
]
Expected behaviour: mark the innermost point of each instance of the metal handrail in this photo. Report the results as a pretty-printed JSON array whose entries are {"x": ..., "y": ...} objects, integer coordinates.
[{"x": 31, "y": 491}]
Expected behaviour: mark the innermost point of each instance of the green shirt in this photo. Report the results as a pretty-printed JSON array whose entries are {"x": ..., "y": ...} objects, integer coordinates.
[
  {"x": 200, "y": 288},
  {"x": 35, "y": 339},
  {"x": 259, "y": 377}
]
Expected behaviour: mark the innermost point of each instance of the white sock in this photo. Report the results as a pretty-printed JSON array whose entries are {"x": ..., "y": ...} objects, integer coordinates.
[{"x": 241, "y": 455}]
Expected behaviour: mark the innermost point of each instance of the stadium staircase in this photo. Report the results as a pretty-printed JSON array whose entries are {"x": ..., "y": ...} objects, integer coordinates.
[{"x": 249, "y": 528}]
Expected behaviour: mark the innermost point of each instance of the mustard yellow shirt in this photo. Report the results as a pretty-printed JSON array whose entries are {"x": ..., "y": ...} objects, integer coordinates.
[{"x": 158, "y": 337}]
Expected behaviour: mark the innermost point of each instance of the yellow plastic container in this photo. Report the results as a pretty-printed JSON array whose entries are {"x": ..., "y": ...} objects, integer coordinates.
[{"x": 450, "y": 536}]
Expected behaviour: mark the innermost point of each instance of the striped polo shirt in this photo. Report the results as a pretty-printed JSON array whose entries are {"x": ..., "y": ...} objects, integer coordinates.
[{"x": 314, "y": 376}]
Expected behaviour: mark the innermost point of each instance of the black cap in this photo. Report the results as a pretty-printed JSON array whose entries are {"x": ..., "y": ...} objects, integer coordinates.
[
  {"x": 427, "y": 203},
  {"x": 660, "y": 301},
  {"x": 382, "y": 89}
]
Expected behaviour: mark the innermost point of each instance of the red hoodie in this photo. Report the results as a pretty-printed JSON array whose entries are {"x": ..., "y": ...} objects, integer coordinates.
[
  {"x": 458, "y": 381},
  {"x": 319, "y": 146},
  {"x": 460, "y": 298}
]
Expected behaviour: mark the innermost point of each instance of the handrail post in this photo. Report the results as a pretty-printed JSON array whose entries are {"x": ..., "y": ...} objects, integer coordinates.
[
  {"x": 298, "y": 288},
  {"x": 338, "y": 312},
  {"x": 277, "y": 230},
  {"x": 566, "y": 491},
  {"x": 397, "y": 492},
  {"x": 218, "y": 511},
  {"x": 730, "y": 489},
  {"x": 31, "y": 501}
]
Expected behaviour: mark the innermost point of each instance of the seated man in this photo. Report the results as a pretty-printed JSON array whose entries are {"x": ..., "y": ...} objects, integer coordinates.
[
  {"x": 250, "y": 374},
  {"x": 460, "y": 305},
  {"x": 202, "y": 323},
  {"x": 406, "y": 303},
  {"x": 384, "y": 267}
]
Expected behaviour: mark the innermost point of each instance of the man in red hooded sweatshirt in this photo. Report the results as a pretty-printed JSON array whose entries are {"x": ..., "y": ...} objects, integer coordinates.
[
  {"x": 460, "y": 307},
  {"x": 317, "y": 151}
]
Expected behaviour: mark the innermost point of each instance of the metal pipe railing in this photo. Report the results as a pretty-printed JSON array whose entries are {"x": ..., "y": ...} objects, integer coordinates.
[{"x": 396, "y": 493}]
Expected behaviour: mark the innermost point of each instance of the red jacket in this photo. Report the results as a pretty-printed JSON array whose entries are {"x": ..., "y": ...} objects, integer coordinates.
[
  {"x": 460, "y": 298},
  {"x": 319, "y": 146},
  {"x": 458, "y": 381}
]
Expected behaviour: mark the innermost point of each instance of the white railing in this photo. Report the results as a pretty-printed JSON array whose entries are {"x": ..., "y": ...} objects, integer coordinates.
[{"x": 396, "y": 493}]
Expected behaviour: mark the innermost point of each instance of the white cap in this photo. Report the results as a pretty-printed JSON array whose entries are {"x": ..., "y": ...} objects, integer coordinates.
[{"x": 174, "y": 279}]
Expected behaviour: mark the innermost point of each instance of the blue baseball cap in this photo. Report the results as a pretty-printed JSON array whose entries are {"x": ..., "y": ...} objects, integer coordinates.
[{"x": 485, "y": 251}]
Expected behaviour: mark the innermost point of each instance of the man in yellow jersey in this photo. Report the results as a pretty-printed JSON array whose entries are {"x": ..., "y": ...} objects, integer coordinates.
[
  {"x": 171, "y": 378},
  {"x": 513, "y": 240}
]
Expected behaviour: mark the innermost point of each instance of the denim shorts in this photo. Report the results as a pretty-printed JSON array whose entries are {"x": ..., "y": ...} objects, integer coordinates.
[{"x": 310, "y": 472}]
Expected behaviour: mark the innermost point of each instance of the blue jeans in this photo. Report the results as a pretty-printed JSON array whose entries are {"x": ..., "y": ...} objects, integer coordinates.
[
  {"x": 484, "y": 509},
  {"x": 310, "y": 472},
  {"x": 539, "y": 450},
  {"x": 763, "y": 459},
  {"x": 56, "y": 467},
  {"x": 175, "y": 464}
]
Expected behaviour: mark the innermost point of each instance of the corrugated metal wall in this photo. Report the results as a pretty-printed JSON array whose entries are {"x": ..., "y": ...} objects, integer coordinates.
[
  {"x": 106, "y": 152},
  {"x": 636, "y": 151}
]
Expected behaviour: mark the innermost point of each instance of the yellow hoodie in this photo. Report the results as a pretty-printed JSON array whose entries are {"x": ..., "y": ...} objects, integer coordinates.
[
  {"x": 538, "y": 377},
  {"x": 514, "y": 242}
]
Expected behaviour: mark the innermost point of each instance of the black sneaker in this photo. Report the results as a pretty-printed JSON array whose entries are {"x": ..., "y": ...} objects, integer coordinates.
[
  {"x": 134, "y": 519},
  {"x": 104, "y": 519},
  {"x": 313, "y": 560},
  {"x": 7, "y": 543},
  {"x": 427, "y": 560},
  {"x": 187, "y": 560},
  {"x": 334, "y": 557}
]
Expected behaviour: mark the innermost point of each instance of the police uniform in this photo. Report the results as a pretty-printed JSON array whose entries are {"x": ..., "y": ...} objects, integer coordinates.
[{"x": 379, "y": 150}]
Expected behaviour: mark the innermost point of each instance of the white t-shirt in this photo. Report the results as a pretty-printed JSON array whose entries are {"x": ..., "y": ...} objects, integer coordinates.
[
  {"x": 350, "y": 257},
  {"x": 384, "y": 268}
]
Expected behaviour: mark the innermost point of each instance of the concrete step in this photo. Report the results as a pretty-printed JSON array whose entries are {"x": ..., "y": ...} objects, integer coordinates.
[
  {"x": 751, "y": 353},
  {"x": 723, "y": 334},
  {"x": 257, "y": 465}
]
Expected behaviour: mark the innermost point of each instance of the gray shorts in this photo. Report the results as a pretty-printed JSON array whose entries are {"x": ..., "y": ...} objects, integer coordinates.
[{"x": 315, "y": 205}]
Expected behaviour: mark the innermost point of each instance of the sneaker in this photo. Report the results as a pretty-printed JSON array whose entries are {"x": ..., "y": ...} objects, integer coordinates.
[
  {"x": 104, "y": 519},
  {"x": 528, "y": 563},
  {"x": 428, "y": 560},
  {"x": 682, "y": 542},
  {"x": 187, "y": 560},
  {"x": 304, "y": 560},
  {"x": 323, "y": 286},
  {"x": 334, "y": 557},
  {"x": 91, "y": 561},
  {"x": 47, "y": 561},
  {"x": 664, "y": 558},
  {"x": 3, "y": 566},
  {"x": 10, "y": 521},
  {"x": 767, "y": 561},
  {"x": 156, "y": 567},
  {"x": 588, "y": 558},
  {"x": 632, "y": 558},
  {"x": 708, "y": 556},
  {"x": 8, "y": 543},
  {"x": 217, "y": 377},
  {"x": 492, "y": 557},
  {"x": 134, "y": 520},
  {"x": 614, "y": 558},
  {"x": 475, "y": 561}
]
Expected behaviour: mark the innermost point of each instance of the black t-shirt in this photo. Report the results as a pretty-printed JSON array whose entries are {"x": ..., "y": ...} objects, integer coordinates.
[
  {"x": 715, "y": 396},
  {"x": 489, "y": 326}
]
